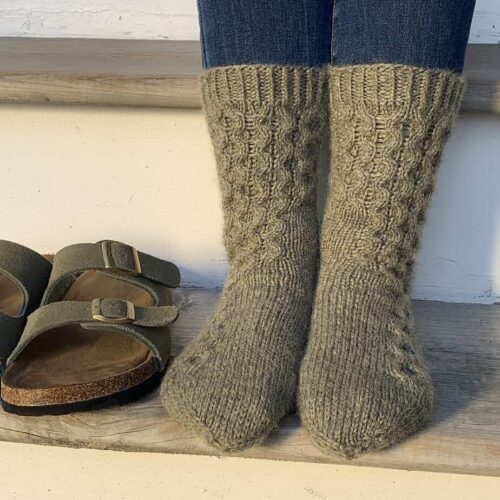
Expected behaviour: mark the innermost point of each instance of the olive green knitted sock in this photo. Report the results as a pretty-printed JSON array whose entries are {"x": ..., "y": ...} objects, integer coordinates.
[
  {"x": 363, "y": 382},
  {"x": 238, "y": 378}
]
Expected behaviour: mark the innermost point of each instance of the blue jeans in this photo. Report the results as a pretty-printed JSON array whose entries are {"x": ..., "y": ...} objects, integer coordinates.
[{"x": 424, "y": 33}]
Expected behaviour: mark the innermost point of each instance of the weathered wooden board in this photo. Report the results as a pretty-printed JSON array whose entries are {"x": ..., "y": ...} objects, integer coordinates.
[
  {"x": 89, "y": 71},
  {"x": 157, "y": 73},
  {"x": 482, "y": 72},
  {"x": 462, "y": 344}
]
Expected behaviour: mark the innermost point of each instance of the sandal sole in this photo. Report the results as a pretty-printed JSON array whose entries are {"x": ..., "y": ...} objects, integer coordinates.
[{"x": 117, "y": 399}]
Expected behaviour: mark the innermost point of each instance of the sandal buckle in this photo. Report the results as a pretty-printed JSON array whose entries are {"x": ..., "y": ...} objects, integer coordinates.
[
  {"x": 98, "y": 315},
  {"x": 111, "y": 265}
]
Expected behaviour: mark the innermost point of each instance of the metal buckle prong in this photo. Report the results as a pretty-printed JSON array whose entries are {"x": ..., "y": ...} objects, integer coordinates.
[
  {"x": 110, "y": 264},
  {"x": 99, "y": 316}
]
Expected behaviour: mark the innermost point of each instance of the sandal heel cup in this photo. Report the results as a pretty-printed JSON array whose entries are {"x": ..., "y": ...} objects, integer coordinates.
[{"x": 24, "y": 275}]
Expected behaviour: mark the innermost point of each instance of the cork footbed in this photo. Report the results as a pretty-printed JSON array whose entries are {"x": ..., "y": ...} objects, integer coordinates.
[
  {"x": 11, "y": 296},
  {"x": 70, "y": 364}
]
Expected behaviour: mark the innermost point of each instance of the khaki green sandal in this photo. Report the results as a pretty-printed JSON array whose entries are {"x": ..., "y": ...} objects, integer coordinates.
[
  {"x": 100, "y": 336},
  {"x": 24, "y": 275}
]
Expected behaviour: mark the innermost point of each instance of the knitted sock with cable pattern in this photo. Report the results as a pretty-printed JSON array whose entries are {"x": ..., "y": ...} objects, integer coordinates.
[
  {"x": 363, "y": 382},
  {"x": 238, "y": 378}
]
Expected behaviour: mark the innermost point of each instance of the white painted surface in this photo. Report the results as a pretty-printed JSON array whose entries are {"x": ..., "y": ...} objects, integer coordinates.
[
  {"x": 85, "y": 174},
  {"x": 460, "y": 256},
  {"x": 148, "y": 177},
  {"x": 42, "y": 472},
  {"x": 155, "y": 19}
]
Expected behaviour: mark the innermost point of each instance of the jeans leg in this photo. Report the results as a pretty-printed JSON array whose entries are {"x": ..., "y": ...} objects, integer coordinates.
[
  {"x": 423, "y": 33},
  {"x": 285, "y": 32}
]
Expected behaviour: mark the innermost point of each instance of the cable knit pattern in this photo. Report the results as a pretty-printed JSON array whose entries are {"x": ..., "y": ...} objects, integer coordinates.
[
  {"x": 363, "y": 382},
  {"x": 238, "y": 378}
]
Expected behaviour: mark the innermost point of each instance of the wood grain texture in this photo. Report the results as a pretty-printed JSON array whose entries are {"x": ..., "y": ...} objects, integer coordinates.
[
  {"x": 157, "y": 73},
  {"x": 462, "y": 345},
  {"x": 482, "y": 73},
  {"x": 88, "y": 71}
]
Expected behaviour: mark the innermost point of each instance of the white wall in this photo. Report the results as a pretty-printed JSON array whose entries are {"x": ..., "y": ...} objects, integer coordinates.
[
  {"x": 74, "y": 174},
  {"x": 174, "y": 19},
  {"x": 47, "y": 473}
]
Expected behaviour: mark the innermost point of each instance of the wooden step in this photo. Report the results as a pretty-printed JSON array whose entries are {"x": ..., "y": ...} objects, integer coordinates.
[
  {"x": 157, "y": 73},
  {"x": 462, "y": 345}
]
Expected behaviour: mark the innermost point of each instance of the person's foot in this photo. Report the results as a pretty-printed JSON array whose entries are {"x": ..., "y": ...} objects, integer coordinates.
[
  {"x": 363, "y": 382},
  {"x": 238, "y": 378}
]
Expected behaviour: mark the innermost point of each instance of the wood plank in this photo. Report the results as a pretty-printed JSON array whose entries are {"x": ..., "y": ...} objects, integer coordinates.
[
  {"x": 157, "y": 73},
  {"x": 88, "y": 71},
  {"x": 462, "y": 345},
  {"x": 482, "y": 73}
]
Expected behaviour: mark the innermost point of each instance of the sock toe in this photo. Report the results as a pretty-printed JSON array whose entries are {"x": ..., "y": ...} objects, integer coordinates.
[
  {"x": 234, "y": 425},
  {"x": 353, "y": 423}
]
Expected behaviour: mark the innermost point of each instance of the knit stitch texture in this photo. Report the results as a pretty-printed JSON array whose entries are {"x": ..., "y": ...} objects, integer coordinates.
[
  {"x": 363, "y": 382},
  {"x": 238, "y": 378}
]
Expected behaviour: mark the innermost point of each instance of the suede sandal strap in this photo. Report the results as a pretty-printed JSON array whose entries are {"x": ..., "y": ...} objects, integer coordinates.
[
  {"x": 143, "y": 323},
  {"x": 112, "y": 257},
  {"x": 30, "y": 272},
  {"x": 28, "y": 269},
  {"x": 10, "y": 331}
]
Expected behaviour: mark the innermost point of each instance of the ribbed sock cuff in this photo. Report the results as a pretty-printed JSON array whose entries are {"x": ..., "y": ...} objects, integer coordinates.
[
  {"x": 251, "y": 86},
  {"x": 386, "y": 88}
]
